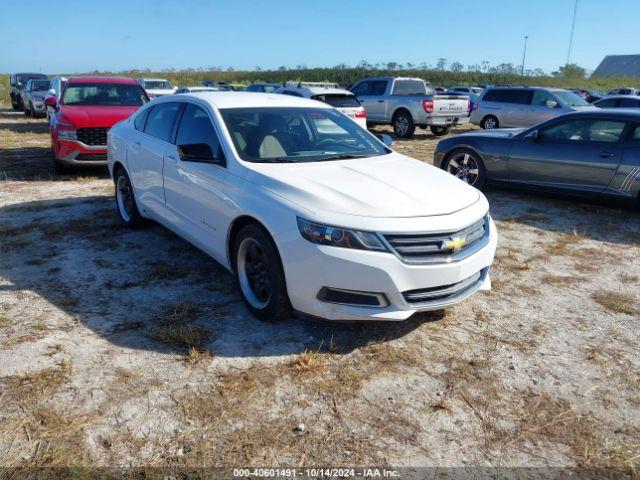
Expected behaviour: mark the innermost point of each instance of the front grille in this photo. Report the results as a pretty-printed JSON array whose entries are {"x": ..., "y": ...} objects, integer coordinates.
[
  {"x": 444, "y": 293},
  {"x": 440, "y": 247},
  {"x": 93, "y": 136},
  {"x": 92, "y": 157}
]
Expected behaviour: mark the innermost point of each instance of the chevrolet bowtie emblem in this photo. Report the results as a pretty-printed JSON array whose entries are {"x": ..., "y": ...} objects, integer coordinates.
[{"x": 454, "y": 244}]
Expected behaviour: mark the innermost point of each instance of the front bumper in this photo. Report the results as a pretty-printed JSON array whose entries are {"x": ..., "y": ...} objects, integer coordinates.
[
  {"x": 39, "y": 107},
  {"x": 309, "y": 268},
  {"x": 74, "y": 152}
]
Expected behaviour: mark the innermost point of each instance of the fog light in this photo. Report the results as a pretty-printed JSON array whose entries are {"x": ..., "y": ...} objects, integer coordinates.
[{"x": 353, "y": 298}]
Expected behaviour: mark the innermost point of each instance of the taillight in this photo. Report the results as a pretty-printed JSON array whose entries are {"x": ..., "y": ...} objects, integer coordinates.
[
  {"x": 468, "y": 106},
  {"x": 361, "y": 114},
  {"x": 475, "y": 106},
  {"x": 427, "y": 104}
]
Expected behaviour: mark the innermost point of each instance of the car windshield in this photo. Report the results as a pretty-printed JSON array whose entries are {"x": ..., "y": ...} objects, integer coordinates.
[
  {"x": 285, "y": 134},
  {"x": 570, "y": 99},
  {"x": 104, "y": 94},
  {"x": 157, "y": 85},
  {"x": 25, "y": 78},
  {"x": 40, "y": 85},
  {"x": 339, "y": 101}
]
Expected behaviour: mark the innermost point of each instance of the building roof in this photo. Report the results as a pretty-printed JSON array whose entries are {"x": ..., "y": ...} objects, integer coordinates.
[{"x": 619, "y": 66}]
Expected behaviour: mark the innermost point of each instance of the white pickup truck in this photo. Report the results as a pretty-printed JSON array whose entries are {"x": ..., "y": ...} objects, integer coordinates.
[{"x": 407, "y": 103}]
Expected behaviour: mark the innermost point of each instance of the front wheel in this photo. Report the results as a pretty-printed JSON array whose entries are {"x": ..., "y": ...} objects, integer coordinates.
[
  {"x": 468, "y": 167},
  {"x": 403, "y": 125},
  {"x": 439, "y": 131},
  {"x": 27, "y": 111},
  {"x": 126, "y": 206},
  {"x": 259, "y": 275}
]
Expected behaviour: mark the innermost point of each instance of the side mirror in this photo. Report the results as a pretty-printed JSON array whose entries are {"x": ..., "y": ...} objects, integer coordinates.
[
  {"x": 198, "y": 152},
  {"x": 51, "y": 102},
  {"x": 51, "y": 91},
  {"x": 533, "y": 135},
  {"x": 552, "y": 104},
  {"x": 384, "y": 138}
]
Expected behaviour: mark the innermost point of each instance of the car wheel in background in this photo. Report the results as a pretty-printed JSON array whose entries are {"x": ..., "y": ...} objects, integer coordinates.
[
  {"x": 467, "y": 166},
  {"x": 259, "y": 274},
  {"x": 126, "y": 206},
  {"x": 489, "y": 122},
  {"x": 403, "y": 125},
  {"x": 27, "y": 111},
  {"x": 59, "y": 167},
  {"x": 15, "y": 105},
  {"x": 439, "y": 131}
]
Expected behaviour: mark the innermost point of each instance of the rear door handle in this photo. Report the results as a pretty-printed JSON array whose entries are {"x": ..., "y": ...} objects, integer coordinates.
[
  {"x": 607, "y": 154},
  {"x": 380, "y": 101}
]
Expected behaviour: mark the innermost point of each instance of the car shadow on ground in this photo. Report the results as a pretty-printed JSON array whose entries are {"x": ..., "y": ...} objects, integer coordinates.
[{"x": 136, "y": 288}]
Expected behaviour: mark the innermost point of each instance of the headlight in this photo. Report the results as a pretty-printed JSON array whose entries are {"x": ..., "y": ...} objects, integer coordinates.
[
  {"x": 339, "y": 237},
  {"x": 64, "y": 134}
]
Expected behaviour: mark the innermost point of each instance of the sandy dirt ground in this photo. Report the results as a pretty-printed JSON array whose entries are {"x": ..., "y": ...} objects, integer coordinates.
[{"x": 133, "y": 348}]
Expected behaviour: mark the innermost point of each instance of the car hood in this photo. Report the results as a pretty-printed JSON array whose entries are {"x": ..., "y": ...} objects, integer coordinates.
[
  {"x": 390, "y": 186},
  {"x": 88, "y": 116},
  {"x": 497, "y": 133},
  {"x": 159, "y": 92}
]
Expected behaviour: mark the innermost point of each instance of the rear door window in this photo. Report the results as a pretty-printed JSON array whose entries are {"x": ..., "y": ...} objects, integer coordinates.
[
  {"x": 161, "y": 121},
  {"x": 629, "y": 103},
  {"x": 409, "y": 87},
  {"x": 608, "y": 103}
]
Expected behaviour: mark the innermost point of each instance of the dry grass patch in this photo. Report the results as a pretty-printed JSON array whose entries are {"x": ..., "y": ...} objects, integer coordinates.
[
  {"x": 31, "y": 386},
  {"x": 175, "y": 328},
  {"x": 559, "y": 280},
  {"x": 617, "y": 302}
]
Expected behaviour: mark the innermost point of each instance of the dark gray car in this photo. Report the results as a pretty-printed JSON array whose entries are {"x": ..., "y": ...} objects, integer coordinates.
[{"x": 587, "y": 153}]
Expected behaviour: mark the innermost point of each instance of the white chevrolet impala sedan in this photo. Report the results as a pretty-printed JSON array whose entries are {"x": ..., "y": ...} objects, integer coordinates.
[{"x": 309, "y": 211}]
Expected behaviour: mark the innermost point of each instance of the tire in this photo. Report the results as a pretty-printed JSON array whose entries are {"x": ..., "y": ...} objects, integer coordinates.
[
  {"x": 60, "y": 168},
  {"x": 490, "y": 122},
  {"x": 27, "y": 112},
  {"x": 126, "y": 206},
  {"x": 439, "y": 131},
  {"x": 14, "y": 104},
  {"x": 259, "y": 274},
  {"x": 462, "y": 162},
  {"x": 403, "y": 125}
]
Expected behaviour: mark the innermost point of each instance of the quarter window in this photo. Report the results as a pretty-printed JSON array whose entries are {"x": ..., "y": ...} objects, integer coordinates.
[
  {"x": 196, "y": 127},
  {"x": 161, "y": 120},
  {"x": 588, "y": 130},
  {"x": 141, "y": 119}
]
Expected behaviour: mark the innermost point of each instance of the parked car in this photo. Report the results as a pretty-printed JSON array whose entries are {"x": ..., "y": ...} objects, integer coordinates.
[
  {"x": 157, "y": 87},
  {"x": 88, "y": 108},
  {"x": 326, "y": 221},
  {"x": 197, "y": 89},
  {"x": 55, "y": 91},
  {"x": 588, "y": 94},
  {"x": 17, "y": 83},
  {"x": 624, "y": 91},
  {"x": 32, "y": 97},
  {"x": 524, "y": 106},
  {"x": 439, "y": 90},
  {"x": 263, "y": 87},
  {"x": 221, "y": 84},
  {"x": 329, "y": 93},
  {"x": 466, "y": 90},
  {"x": 620, "y": 101},
  {"x": 407, "y": 103},
  {"x": 587, "y": 153}
]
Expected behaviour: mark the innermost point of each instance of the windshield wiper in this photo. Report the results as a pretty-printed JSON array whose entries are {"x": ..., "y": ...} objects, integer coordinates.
[
  {"x": 277, "y": 160},
  {"x": 342, "y": 156}
]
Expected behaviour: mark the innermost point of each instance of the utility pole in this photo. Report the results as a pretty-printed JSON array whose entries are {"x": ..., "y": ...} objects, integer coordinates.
[
  {"x": 573, "y": 27},
  {"x": 524, "y": 54}
]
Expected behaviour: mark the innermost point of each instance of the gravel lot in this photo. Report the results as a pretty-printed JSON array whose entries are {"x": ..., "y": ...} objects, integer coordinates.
[{"x": 133, "y": 348}]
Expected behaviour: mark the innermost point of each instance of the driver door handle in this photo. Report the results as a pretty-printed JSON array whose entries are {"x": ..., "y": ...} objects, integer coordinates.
[{"x": 607, "y": 154}]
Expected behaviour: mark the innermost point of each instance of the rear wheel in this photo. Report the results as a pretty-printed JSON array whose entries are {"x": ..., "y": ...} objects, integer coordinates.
[
  {"x": 439, "y": 131},
  {"x": 14, "y": 103},
  {"x": 490, "y": 122},
  {"x": 27, "y": 111},
  {"x": 259, "y": 274},
  {"x": 467, "y": 166},
  {"x": 403, "y": 125},
  {"x": 126, "y": 206}
]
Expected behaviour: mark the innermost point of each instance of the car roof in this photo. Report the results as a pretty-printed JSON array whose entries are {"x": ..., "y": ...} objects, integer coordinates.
[
  {"x": 145, "y": 79},
  {"x": 634, "y": 97},
  {"x": 117, "y": 80},
  {"x": 224, "y": 99},
  {"x": 317, "y": 90},
  {"x": 30, "y": 73},
  {"x": 391, "y": 78},
  {"x": 618, "y": 113}
]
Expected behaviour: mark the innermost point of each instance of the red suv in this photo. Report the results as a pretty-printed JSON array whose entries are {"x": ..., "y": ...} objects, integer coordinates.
[{"x": 88, "y": 108}]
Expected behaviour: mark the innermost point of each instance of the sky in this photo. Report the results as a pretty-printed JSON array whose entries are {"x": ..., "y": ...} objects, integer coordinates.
[{"x": 74, "y": 36}]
